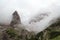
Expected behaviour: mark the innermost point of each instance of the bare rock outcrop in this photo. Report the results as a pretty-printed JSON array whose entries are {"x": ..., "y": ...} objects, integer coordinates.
[{"x": 15, "y": 19}]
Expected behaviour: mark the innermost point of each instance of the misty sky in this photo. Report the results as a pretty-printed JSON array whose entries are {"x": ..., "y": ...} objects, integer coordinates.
[{"x": 28, "y": 9}]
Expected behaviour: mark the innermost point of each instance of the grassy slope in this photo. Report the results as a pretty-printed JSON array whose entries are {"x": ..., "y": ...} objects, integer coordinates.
[{"x": 57, "y": 38}]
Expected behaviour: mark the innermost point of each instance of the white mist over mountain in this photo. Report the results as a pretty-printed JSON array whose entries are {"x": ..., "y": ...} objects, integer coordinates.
[{"x": 28, "y": 10}]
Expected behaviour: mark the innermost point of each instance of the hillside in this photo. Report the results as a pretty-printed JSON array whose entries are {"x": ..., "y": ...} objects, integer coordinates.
[{"x": 15, "y": 32}]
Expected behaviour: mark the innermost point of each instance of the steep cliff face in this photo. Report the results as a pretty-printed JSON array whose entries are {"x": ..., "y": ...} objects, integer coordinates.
[{"x": 15, "y": 19}]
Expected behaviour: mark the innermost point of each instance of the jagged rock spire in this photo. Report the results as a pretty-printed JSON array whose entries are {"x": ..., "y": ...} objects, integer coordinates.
[{"x": 15, "y": 19}]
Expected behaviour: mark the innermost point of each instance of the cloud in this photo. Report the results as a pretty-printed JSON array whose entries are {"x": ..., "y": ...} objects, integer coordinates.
[{"x": 28, "y": 9}]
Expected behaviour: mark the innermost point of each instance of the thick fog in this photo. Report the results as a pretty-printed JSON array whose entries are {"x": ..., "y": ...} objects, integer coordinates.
[{"x": 27, "y": 10}]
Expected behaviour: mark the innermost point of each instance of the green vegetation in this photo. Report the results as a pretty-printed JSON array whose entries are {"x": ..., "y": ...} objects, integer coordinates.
[
  {"x": 51, "y": 33},
  {"x": 48, "y": 34},
  {"x": 57, "y": 38},
  {"x": 11, "y": 32}
]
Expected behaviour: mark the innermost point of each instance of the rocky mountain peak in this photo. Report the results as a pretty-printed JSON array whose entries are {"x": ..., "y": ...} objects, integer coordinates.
[{"x": 15, "y": 19}]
